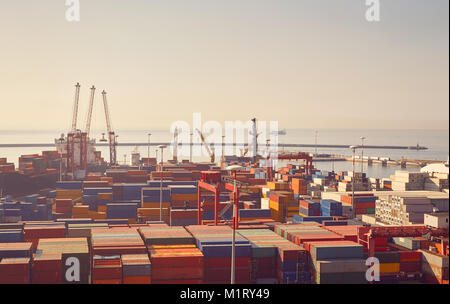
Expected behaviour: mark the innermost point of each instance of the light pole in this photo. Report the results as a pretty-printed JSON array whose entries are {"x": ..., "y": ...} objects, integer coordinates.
[
  {"x": 148, "y": 150},
  {"x": 353, "y": 148},
  {"x": 316, "y": 142},
  {"x": 162, "y": 147},
  {"x": 125, "y": 159},
  {"x": 223, "y": 148},
  {"x": 116, "y": 159},
  {"x": 233, "y": 169},
  {"x": 362, "y": 153},
  {"x": 61, "y": 140},
  {"x": 269, "y": 160},
  {"x": 190, "y": 148}
]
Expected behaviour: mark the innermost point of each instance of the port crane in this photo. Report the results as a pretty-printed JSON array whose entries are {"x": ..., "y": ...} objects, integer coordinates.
[
  {"x": 111, "y": 134},
  {"x": 255, "y": 140},
  {"x": 89, "y": 113},
  {"x": 73, "y": 128},
  {"x": 76, "y": 137},
  {"x": 211, "y": 154}
]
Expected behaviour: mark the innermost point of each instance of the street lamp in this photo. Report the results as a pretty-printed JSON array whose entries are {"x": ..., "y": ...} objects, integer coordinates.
[
  {"x": 162, "y": 147},
  {"x": 362, "y": 153},
  {"x": 148, "y": 150},
  {"x": 316, "y": 142},
  {"x": 61, "y": 140},
  {"x": 233, "y": 169},
  {"x": 353, "y": 148},
  {"x": 190, "y": 148},
  {"x": 223, "y": 148}
]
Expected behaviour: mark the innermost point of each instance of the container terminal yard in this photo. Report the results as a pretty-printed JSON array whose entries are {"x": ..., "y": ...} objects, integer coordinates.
[{"x": 238, "y": 220}]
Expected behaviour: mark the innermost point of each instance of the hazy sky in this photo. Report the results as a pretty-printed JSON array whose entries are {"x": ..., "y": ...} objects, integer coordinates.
[{"x": 304, "y": 63}]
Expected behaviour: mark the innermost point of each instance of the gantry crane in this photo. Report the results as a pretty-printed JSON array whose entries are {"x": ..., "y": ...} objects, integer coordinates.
[
  {"x": 211, "y": 154},
  {"x": 76, "y": 137},
  {"x": 111, "y": 134}
]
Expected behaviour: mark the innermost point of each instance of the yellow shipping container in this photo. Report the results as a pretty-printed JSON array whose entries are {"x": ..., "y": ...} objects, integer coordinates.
[
  {"x": 272, "y": 185},
  {"x": 389, "y": 267},
  {"x": 274, "y": 205},
  {"x": 69, "y": 194}
]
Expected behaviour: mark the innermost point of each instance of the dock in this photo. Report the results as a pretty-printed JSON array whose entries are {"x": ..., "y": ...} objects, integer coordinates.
[
  {"x": 280, "y": 145},
  {"x": 405, "y": 162}
]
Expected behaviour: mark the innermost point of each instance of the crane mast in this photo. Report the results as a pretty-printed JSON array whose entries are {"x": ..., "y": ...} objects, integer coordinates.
[
  {"x": 73, "y": 128},
  {"x": 255, "y": 140},
  {"x": 111, "y": 134},
  {"x": 89, "y": 114}
]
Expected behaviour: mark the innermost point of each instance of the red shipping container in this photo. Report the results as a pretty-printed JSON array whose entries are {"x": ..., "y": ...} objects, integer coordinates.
[
  {"x": 198, "y": 281},
  {"x": 226, "y": 262},
  {"x": 410, "y": 256},
  {"x": 410, "y": 267},
  {"x": 169, "y": 273}
]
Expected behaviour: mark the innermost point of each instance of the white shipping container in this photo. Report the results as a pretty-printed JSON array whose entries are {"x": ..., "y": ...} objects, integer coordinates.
[
  {"x": 265, "y": 203},
  {"x": 437, "y": 220}
]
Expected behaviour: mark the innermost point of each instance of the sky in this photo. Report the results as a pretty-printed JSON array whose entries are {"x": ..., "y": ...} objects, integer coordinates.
[{"x": 303, "y": 63}]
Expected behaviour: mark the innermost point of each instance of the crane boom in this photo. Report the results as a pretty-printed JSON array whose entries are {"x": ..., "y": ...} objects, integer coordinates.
[
  {"x": 105, "y": 105},
  {"x": 111, "y": 134},
  {"x": 211, "y": 154},
  {"x": 73, "y": 128},
  {"x": 89, "y": 114}
]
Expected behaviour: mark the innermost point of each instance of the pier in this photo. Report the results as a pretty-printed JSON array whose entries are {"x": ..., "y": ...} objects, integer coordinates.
[
  {"x": 280, "y": 145},
  {"x": 405, "y": 162}
]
